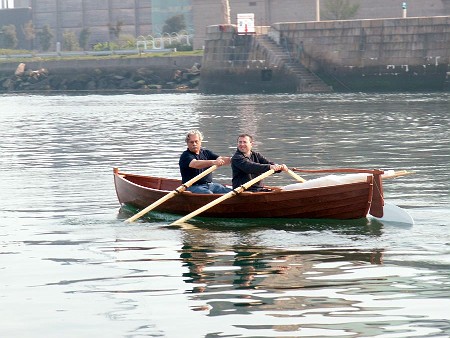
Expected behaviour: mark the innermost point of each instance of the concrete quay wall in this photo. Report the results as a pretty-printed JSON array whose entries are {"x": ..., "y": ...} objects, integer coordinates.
[
  {"x": 164, "y": 64},
  {"x": 412, "y": 41},
  {"x": 235, "y": 63},
  {"x": 351, "y": 55}
]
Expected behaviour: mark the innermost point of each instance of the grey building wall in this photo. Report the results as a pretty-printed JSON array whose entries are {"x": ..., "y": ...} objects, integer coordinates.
[
  {"x": 22, "y": 3},
  {"x": 97, "y": 15},
  {"x": 17, "y": 17},
  {"x": 74, "y": 15}
]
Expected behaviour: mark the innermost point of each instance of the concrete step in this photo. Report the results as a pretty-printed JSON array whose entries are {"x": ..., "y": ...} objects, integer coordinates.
[{"x": 308, "y": 82}]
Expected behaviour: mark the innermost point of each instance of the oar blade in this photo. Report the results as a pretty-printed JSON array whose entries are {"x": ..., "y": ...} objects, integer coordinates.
[{"x": 395, "y": 214}]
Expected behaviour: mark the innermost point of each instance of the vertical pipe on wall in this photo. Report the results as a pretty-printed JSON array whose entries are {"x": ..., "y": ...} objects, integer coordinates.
[{"x": 317, "y": 10}]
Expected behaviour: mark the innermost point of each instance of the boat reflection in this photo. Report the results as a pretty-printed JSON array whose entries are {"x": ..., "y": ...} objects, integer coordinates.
[
  {"x": 363, "y": 226},
  {"x": 246, "y": 278}
]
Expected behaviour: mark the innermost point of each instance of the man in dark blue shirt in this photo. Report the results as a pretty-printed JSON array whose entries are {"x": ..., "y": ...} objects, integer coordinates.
[
  {"x": 195, "y": 159},
  {"x": 248, "y": 164}
]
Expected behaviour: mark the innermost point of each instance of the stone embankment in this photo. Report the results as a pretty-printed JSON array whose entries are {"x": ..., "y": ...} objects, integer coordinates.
[{"x": 151, "y": 74}]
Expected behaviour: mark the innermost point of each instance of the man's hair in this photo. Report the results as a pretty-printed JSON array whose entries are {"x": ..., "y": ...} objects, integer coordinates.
[
  {"x": 194, "y": 132},
  {"x": 246, "y": 135}
]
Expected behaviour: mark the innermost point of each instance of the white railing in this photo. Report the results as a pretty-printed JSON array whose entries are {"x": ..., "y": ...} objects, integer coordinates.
[{"x": 158, "y": 41}]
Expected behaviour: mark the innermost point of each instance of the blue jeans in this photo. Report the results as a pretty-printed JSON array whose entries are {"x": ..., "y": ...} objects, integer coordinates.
[{"x": 209, "y": 188}]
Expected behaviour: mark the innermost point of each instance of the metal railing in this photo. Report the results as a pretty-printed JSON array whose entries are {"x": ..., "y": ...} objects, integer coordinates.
[{"x": 158, "y": 41}]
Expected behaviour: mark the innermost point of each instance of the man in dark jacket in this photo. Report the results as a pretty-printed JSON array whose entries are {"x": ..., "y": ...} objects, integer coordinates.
[
  {"x": 248, "y": 164},
  {"x": 195, "y": 159}
]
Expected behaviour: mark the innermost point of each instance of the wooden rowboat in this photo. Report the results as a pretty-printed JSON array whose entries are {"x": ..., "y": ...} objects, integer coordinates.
[{"x": 338, "y": 201}]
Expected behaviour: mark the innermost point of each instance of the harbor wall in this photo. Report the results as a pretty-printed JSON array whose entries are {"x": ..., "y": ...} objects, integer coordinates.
[
  {"x": 354, "y": 55},
  {"x": 162, "y": 63},
  {"x": 234, "y": 63},
  {"x": 382, "y": 54}
]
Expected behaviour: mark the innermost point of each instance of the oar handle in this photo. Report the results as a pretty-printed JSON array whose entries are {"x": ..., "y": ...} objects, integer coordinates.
[
  {"x": 396, "y": 173},
  {"x": 233, "y": 192},
  {"x": 385, "y": 174},
  {"x": 171, "y": 194}
]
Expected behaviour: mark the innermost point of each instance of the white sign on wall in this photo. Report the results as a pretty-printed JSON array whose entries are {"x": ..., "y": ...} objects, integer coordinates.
[{"x": 246, "y": 23}]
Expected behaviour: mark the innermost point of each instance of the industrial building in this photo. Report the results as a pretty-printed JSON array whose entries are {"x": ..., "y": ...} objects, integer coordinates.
[{"x": 146, "y": 17}]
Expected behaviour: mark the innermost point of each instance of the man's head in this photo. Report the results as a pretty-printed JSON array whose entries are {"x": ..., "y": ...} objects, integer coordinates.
[
  {"x": 194, "y": 140},
  {"x": 245, "y": 143}
]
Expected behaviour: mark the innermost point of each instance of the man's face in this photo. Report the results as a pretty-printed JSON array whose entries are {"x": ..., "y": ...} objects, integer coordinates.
[
  {"x": 244, "y": 144},
  {"x": 194, "y": 143}
]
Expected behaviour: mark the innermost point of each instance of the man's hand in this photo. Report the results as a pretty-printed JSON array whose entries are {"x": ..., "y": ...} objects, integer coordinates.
[
  {"x": 219, "y": 162},
  {"x": 222, "y": 160},
  {"x": 279, "y": 167}
]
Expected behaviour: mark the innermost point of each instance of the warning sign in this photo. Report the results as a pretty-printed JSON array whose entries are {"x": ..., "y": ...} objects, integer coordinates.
[{"x": 246, "y": 23}]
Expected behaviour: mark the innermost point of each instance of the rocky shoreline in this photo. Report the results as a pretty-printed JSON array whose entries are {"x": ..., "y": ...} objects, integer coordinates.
[{"x": 110, "y": 79}]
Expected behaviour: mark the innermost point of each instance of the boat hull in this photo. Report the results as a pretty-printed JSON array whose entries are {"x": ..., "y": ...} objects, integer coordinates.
[{"x": 345, "y": 201}]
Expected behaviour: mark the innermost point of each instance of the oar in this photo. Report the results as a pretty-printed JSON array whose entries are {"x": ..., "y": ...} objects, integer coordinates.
[
  {"x": 297, "y": 177},
  {"x": 351, "y": 170},
  {"x": 171, "y": 194},
  {"x": 396, "y": 173},
  {"x": 232, "y": 193}
]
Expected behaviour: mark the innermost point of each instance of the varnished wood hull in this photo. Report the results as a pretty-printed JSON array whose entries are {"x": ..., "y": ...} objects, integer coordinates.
[{"x": 346, "y": 201}]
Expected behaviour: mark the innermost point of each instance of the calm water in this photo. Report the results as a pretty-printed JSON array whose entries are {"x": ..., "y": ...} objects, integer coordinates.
[{"x": 70, "y": 267}]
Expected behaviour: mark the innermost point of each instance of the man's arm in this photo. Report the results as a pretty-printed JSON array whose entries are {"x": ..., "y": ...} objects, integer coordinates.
[
  {"x": 248, "y": 166},
  {"x": 200, "y": 164},
  {"x": 251, "y": 167},
  {"x": 277, "y": 167},
  {"x": 207, "y": 159}
]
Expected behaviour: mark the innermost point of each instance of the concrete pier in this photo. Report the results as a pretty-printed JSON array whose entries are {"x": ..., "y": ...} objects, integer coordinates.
[{"x": 351, "y": 55}]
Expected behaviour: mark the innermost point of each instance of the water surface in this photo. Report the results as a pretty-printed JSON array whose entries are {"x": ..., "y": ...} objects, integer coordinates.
[{"x": 70, "y": 267}]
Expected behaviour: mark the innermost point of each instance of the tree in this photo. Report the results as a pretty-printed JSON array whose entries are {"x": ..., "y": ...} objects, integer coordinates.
[
  {"x": 339, "y": 10},
  {"x": 29, "y": 32},
  {"x": 8, "y": 37},
  {"x": 174, "y": 24},
  {"x": 70, "y": 41},
  {"x": 114, "y": 31},
  {"x": 45, "y": 36},
  {"x": 84, "y": 37}
]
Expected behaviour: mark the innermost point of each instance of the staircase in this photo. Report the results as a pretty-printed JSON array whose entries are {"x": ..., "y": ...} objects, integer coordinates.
[{"x": 307, "y": 82}]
